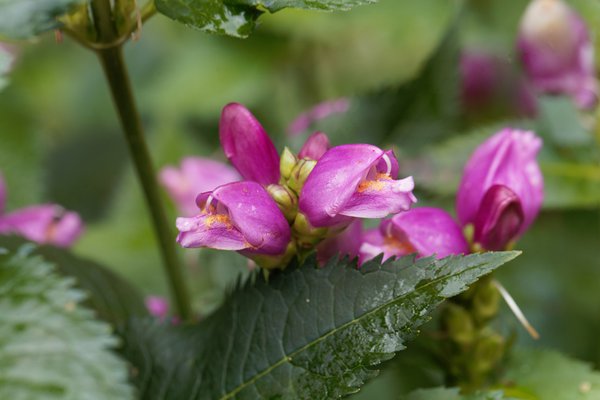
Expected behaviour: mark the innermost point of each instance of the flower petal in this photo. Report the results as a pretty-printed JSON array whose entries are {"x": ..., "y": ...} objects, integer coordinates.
[
  {"x": 345, "y": 243},
  {"x": 334, "y": 180},
  {"x": 206, "y": 230},
  {"x": 557, "y": 53},
  {"x": 195, "y": 175},
  {"x": 46, "y": 223},
  {"x": 247, "y": 145},
  {"x": 508, "y": 158},
  {"x": 499, "y": 218},
  {"x": 378, "y": 198},
  {"x": 429, "y": 231},
  {"x": 256, "y": 215},
  {"x": 315, "y": 146}
]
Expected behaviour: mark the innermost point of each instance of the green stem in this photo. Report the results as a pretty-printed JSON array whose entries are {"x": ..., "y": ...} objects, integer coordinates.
[{"x": 120, "y": 87}]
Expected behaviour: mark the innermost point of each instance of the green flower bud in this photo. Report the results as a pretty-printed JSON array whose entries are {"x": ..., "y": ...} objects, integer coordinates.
[
  {"x": 487, "y": 353},
  {"x": 286, "y": 201},
  {"x": 276, "y": 262},
  {"x": 486, "y": 301},
  {"x": 458, "y": 324},
  {"x": 299, "y": 174},
  {"x": 306, "y": 234},
  {"x": 287, "y": 163}
]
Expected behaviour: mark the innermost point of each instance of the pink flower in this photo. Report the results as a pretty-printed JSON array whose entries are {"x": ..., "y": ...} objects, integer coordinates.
[
  {"x": 557, "y": 52},
  {"x": 44, "y": 224},
  {"x": 238, "y": 216},
  {"x": 501, "y": 187},
  {"x": 354, "y": 181},
  {"x": 315, "y": 146},
  {"x": 489, "y": 84},
  {"x": 247, "y": 145},
  {"x": 195, "y": 175},
  {"x": 317, "y": 113},
  {"x": 346, "y": 243},
  {"x": 157, "y": 306},
  {"x": 424, "y": 231}
]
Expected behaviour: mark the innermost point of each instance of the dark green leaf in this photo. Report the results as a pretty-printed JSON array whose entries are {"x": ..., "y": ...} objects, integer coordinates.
[
  {"x": 113, "y": 299},
  {"x": 308, "y": 333},
  {"x": 50, "y": 345},
  {"x": 238, "y": 17},
  {"x": 551, "y": 375},
  {"x": 25, "y": 18}
]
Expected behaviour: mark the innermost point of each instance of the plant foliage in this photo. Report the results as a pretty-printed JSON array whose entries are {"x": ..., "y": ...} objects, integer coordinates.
[
  {"x": 50, "y": 345},
  {"x": 112, "y": 298},
  {"x": 21, "y": 19},
  {"x": 238, "y": 18},
  {"x": 308, "y": 333}
]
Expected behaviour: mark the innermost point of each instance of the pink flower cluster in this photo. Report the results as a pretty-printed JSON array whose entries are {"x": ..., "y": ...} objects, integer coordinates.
[
  {"x": 316, "y": 198},
  {"x": 44, "y": 223}
]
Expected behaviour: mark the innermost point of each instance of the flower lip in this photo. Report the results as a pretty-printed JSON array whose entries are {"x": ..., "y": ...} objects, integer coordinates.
[
  {"x": 354, "y": 181},
  {"x": 247, "y": 145},
  {"x": 499, "y": 218},
  {"x": 236, "y": 216}
]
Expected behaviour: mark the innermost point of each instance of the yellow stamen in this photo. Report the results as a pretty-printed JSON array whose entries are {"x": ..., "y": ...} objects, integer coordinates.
[
  {"x": 218, "y": 219},
  {"x": 376, "y": 184}
]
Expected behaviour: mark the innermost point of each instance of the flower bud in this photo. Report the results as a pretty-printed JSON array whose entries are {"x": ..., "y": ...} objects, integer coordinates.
[
  {"x": 287, "y": 162},
  {"x": 300, "y": 172},
  {"x": 307, "y": 235},
  {"x": 315, "y": 146},
  {"x": 286, "y": 200},
  {"x": 557, "y": 52},
  {"x": 508, "y": 158},
  {"x": 157, "y": 306},
  {"x": 247, "y": 145},
  {"x": 458, "y": 324}
]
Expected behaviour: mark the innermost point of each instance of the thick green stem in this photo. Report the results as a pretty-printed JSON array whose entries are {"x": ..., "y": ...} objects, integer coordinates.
[{"x": 120, "y": 87}]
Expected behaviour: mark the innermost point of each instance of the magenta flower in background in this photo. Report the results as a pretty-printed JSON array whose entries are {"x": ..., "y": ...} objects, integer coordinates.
[
  {"x": 44, "y": 224},
  {"x": 346, "y": 243},
  {"x": 157, "y": 306},
  {"x": 502, "y": 186},
  {"x": 247, "y": 145},
  {"x": 354, "y": 181},
  {"x": 194, "y": 176},
  {"x": 315, "y": 146},
  {"x": 490, "y": 83},
  {"x": 238, "y": 216},
  {"x": 424, "y": 231},
  {"x": 317, "y": 113},
  {"x": 557, "y": 53}
]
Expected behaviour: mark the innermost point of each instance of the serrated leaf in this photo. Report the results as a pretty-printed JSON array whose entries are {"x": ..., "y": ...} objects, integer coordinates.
[
  {"x": 454, "y": 394},
  {"x": 50, "y": 345},
  {"x": 112, "y": 298},
  {"x": 308, "y": 333},
  {"x": 20, "y": 19},
  {"x": 238, "y": 17},
  {"x": 551, "y": 375}
]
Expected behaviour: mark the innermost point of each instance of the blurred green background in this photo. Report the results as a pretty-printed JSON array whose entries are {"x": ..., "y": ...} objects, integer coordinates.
[{"x": 61, "y": 141}]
